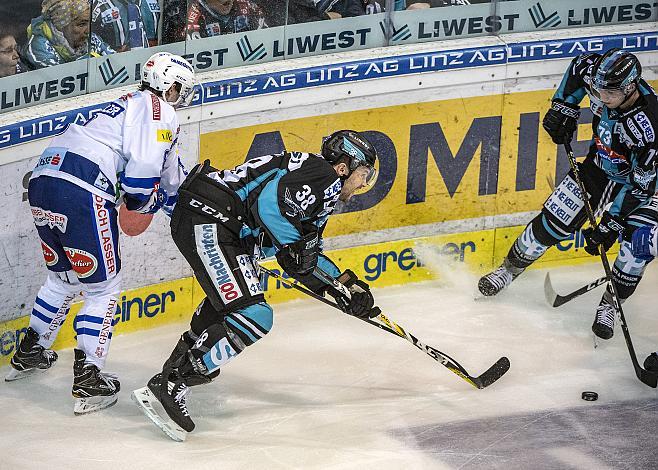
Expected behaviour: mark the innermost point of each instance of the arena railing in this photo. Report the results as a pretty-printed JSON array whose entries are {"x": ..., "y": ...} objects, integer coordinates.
[{"x": 116, "y": 40}]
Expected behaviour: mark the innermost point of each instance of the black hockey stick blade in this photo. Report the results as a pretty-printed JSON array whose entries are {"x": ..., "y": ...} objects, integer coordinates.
[
  {"x": 555, "y": 300},
  {"x": 646, "y": 377},
  {"x": 492, "y": 374}
]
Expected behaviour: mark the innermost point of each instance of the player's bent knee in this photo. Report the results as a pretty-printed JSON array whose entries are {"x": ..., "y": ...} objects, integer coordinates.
[
  {"x": 260, "y": 314},
  {"x": 251, "y": 323}
]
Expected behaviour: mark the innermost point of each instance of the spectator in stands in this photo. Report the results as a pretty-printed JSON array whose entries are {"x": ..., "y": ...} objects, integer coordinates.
[
  {"x": 61, "y": 35},
  {"x": 298, "y": 11},
  {"x": 10, "y": 61},
  {"x": 126, "y": 24},
  {"x": 420, "y": 4},
  {"x": 341, "y": 8},
  {"x": 207, "y": 18}
]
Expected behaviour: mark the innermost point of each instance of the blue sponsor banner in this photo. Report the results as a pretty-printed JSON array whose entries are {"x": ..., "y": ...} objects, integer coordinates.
[{"x": 347, "y": 72}]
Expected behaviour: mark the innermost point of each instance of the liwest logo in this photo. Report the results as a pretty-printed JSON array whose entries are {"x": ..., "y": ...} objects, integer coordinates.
[
  {"x": 540, "y": 19},
  {"x": 109, "y": 76},
  {"x": 401, "y": 34},
  {"x": 249, "y": 53}
]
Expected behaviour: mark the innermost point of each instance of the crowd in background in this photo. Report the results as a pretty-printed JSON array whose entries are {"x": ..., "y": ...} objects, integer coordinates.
[{"x": 41, "y": 33}]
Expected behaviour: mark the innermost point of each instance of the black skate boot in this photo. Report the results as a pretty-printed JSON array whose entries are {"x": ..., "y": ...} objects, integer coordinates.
[
  {"x": 29, "y": 357},
  {"x": 173, "y": 397},
  {"x": 651, "y": 362},
  {"x": 604, "y": 321},
  {"x": 92, "y": 389},
  {"x": 171, "y": 394},
  {"x": 492, "y": 283}
]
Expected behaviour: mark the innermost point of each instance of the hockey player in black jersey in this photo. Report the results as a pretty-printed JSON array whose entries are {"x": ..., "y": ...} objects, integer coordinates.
[
  {"x": 223, "y": 223},
  {"x": 619, "y": 174}
]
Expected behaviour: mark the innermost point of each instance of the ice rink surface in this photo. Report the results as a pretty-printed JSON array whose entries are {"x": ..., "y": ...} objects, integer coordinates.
[{"x": 324, "y": 390}]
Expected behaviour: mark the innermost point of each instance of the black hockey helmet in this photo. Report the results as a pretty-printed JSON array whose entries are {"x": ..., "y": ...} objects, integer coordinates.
[
  {"x": 616, "y": 70},
  {"x": 354, "y": 148}
]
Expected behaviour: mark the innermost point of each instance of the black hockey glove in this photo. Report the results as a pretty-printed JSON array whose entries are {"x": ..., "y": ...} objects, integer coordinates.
[
  {"x": 561, "y": 121},
  {"x": 300, "y": 257},
  {"x": 361, "y": 303},
  {"x": 605, "y": 234}
]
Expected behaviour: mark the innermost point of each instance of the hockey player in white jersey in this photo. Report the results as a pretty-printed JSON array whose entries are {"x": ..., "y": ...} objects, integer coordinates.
[{"x": 127, "y": 153}]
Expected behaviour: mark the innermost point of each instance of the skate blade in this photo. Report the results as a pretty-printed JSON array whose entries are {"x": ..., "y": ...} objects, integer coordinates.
[
  {"x": 87, "y": 405},
  {"x": 15, "y": 374},
  {"x": 145, "y": 400}
]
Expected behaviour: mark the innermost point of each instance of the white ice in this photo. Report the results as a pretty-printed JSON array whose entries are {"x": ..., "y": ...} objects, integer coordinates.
[{"x": 324, "y": 390}]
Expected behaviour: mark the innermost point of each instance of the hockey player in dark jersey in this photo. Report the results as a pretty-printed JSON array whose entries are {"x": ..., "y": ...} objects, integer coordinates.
[
  {"x": 619, "y": 174},
  {"x": 223, "y": 223}
]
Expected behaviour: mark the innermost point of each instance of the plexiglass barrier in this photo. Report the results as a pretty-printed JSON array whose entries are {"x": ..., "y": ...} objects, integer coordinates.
[{"x": 52, "y": 49}]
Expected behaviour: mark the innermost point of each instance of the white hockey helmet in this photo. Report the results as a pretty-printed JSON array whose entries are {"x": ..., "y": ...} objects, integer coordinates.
[{"x": 164, "y": 69}]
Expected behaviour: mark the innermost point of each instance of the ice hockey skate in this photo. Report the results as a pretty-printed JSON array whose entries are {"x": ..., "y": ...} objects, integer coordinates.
[
  {"x": 30, "y": 357},
  {"x": 174, "y": 419},
  {"x": 604, "y": 321},
  {"x": 494, "y": 282},
  {"x": 93, "y": 390}
]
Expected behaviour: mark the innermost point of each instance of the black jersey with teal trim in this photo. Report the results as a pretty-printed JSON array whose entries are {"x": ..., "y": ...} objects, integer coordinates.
[
  {"x": 624, "y": 143},
  {"x": 284, "y": 195}
]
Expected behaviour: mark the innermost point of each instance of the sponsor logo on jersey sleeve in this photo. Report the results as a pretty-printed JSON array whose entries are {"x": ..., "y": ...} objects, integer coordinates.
[
  {"x": 164, "y": 135},
  {"x": 157, "y": 112},
  {"x": 634, "y": 130},
  {"x": 646, "y": 126}
]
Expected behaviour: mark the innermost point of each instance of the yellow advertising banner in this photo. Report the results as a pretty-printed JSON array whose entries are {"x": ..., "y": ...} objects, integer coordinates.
[
  {"x": 380, "y": 265},
  {"x": 439, "y": 161}
]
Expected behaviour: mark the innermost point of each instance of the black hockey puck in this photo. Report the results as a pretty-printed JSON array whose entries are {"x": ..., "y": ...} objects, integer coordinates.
[{"x": 590, "y": 396}]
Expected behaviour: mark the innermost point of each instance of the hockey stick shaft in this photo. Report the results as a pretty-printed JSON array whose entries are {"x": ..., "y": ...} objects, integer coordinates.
[
  {"x": 555, "y": 300},
  {"x": 645, "y": 376},
  {"x": 383, "y": 322}
]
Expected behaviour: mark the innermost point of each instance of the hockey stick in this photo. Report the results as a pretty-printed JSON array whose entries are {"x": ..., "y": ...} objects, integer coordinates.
[
  {"x": 646, "y": 377},
  {"x": 555, "y": 300},
  {"x": 487, "y": 378}
]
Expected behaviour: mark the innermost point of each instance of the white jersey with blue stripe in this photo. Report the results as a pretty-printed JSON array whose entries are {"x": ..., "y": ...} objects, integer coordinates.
[{"x": 132, "y": 144}]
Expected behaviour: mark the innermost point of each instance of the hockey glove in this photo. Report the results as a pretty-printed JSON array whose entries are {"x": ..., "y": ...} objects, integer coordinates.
[
  {"x": 361, "y": 302},
  {"x": 300, "y": 257},
  {"x": 643, "y": 243},
  {"x": 561, "y": 121},
  {"x": 605, "y": 234},
  {"x": 156, "y": 200}
]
